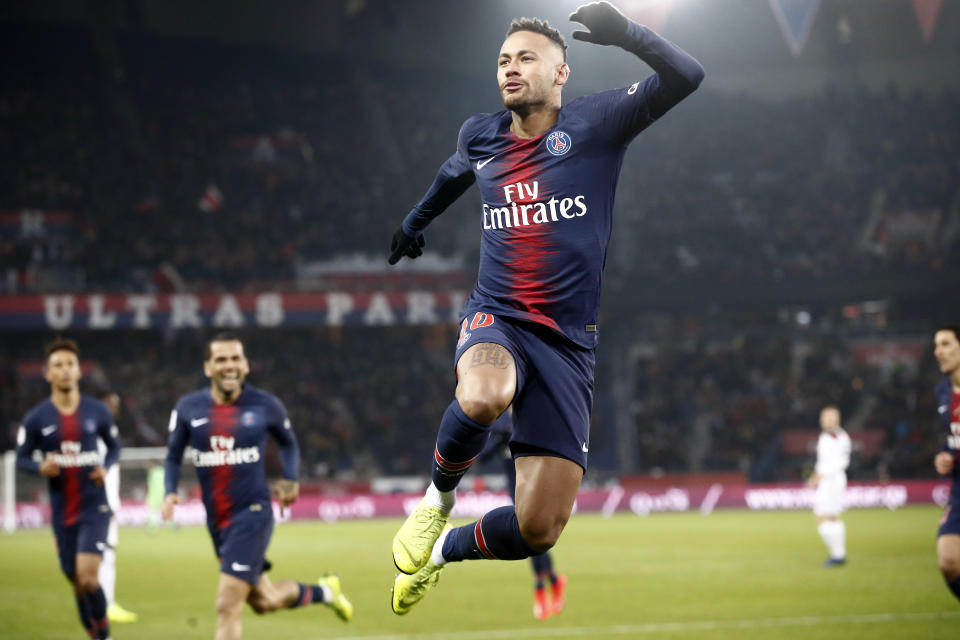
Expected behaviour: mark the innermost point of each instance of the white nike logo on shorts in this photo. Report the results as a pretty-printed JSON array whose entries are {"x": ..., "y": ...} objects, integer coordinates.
[
  {"x": 197, "y": 422},
  {"x": 584, "y": 447},
  {"x": 482, "y": 163},
  {"x": 240, "y": 567}
]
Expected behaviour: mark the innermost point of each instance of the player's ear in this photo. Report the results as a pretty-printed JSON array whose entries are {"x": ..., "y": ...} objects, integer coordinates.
[
  {"x": 562, "y": 74},
  {"x": 206, "y": 369}
]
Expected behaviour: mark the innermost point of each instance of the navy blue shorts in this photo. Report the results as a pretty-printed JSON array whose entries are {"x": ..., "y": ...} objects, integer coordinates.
[
  {"x": 950, "y": 522},
  {"x": 554, "y": 398},
  {"x": 242, "y": 546},
  {"x": 88, "y": 535}
]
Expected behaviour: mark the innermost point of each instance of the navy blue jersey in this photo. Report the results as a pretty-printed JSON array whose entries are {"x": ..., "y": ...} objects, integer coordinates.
[
  {"x": 547, "y": 202},
  {"x": 948, "y": 406},
  {"x": 227, "y": 443},
  {"x": 73, "y": 441}
]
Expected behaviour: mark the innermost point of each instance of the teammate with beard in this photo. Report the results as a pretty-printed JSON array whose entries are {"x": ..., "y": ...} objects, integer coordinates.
[{"x": 226, "y": 426}]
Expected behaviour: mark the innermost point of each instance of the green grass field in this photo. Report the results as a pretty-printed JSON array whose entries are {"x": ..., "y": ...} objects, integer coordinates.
[{"x": 731, "y": 575}]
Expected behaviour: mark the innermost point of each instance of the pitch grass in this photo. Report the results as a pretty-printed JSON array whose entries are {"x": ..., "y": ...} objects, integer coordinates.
[{"x": 734, "y": 574}]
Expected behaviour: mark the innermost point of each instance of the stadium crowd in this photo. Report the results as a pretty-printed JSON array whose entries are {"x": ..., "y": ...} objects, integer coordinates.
[{"x": 222, "y": 164}]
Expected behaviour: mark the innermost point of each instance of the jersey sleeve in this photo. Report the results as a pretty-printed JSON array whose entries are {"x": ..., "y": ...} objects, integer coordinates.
[
  {"x": 26, "y": 443},
  {"x": 176, "y": 444},
  {"x": 621, "y": 114},
  {"x": 282, "y": 431},
  {"x": 454, "y": 177},
  {"x": 108, "y": 432}
]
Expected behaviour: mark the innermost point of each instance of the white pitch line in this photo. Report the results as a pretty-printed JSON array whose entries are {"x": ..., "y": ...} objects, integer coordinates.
[{"x": 664, "y": 627}]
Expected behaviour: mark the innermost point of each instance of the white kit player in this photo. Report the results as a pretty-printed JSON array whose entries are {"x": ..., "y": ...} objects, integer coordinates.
[
  {"x": 830, "y": 480},
  {"x": 108, "y": 567}
]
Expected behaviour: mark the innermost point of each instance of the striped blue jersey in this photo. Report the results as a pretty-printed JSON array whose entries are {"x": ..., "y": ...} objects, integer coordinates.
[{"x": 547, "y": 202}]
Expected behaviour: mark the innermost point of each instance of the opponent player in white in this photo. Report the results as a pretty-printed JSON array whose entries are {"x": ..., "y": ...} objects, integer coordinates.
[
  {"x": 108, "y": 566},
  {"x": 830, "y": 480}
]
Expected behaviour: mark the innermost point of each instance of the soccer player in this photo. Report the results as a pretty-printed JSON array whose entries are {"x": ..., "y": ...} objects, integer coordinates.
[
  {"x": 547, "y": 176},
  {"x": 108, "y": 567},
  {"x": 65, "y": 429},
  {"x": 947, "y": 352},
  {"x": 226, "y": 426},
  {"x": 830, "y": 480},
  {"x": 545, "y": 603}
]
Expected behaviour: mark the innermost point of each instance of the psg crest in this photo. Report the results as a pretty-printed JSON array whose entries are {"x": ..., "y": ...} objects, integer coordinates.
[
  {"x": 248, "y": 419},
  {"x": 558, "y": 143}
]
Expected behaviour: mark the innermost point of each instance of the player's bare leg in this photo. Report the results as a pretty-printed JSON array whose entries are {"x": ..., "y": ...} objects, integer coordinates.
[
  {"x": 86, "y": 585},
  {"x": 270, "y": 596},
  {"x": 546, "y": 490},
  {"x": 232, "y": 593},
  {"x": 948, "y": 558},
  {"x": 486, "y": 384}
]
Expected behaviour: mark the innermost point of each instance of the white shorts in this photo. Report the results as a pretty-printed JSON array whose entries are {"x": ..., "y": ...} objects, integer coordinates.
[{"x": 829, "y": 497}]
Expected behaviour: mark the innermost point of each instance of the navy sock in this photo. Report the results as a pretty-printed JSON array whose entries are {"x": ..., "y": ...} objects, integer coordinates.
[
  {"x": 459, "y": 441},
  {"x": 496, "y": 536},
  {"x": 97, "y": 606},
  {"x": 542, "y": 565},
  {"x": 955, "y": 587},
  {"x": 309, "y": 594},
  {"x": 85, "y": 618}
]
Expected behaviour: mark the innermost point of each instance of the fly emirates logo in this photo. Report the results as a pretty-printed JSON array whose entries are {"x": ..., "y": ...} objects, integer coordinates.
[
  {"x": 529, "y": 211},
  {"x": 72, "y": 455},
  {"x": 222, "y": 453}
]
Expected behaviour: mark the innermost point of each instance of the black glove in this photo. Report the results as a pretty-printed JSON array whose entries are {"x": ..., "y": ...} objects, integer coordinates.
[
  {"x": 404, "y": 245},
  {"x": 607, "y": 25}
]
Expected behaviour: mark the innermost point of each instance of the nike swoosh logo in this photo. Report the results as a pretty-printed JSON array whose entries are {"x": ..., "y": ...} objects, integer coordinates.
[
  {"x": 240, "y": 567},
  {"x": 942, "y": 408},
  {"x": 482, "y": 163},
  {"x": 47, "y": 430},
  {"x": 584, "y": 447},
  {"x": 198, "y": 422}
]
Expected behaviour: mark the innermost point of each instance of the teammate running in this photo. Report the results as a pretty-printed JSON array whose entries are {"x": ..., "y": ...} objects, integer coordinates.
[
  {"x": 226, "y": 426},
  {"x": 66, "y": 429}
]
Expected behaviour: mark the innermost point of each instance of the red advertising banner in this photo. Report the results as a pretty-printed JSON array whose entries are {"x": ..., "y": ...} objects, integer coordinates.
[{"x": 471, "y": 504}]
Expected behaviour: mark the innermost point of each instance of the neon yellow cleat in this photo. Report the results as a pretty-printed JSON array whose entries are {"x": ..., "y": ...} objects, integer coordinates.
[
  {"x": 409, "y": 590},
  {"x": 339, "y": 602},
  {"x": 119, "y": 615},
  {"x": 414, "y": 541}
]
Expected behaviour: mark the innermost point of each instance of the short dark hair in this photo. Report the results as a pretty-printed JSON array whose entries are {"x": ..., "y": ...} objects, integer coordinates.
[
  {"x": 223, "y": 336},
  {"x": 539, "y": 26},
  {"x": 60, "y": 344},
  {"x": 955, "y": 328}
]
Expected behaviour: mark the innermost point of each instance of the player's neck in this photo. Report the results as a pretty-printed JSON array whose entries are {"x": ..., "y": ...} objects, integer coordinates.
[
  {"x": 955, "y": 379},
  {"x": 221, "y": 397},
  {"x": 530, "y": 124},
  {"x": 66, "y": 402}
]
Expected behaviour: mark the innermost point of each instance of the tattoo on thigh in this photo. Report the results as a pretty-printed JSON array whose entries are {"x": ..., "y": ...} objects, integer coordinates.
[{"x": 492, "y": 354}]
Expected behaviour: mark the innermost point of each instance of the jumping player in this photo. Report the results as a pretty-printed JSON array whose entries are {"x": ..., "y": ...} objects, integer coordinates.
[
  {"x": 66, "y": 429},
  {"x": 226, "y": 426},
  {"x": 547, "y": 176},
  {"x": 946, "y": 344},
  {"x": 830, "y": 480}
]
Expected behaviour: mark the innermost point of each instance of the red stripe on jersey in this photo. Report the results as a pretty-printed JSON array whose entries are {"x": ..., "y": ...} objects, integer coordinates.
[
  {"x": 223, "y": 418},
  {"x": 446, "y": 465},
  {"x": 481, "y": 543},
  {"x": 72, "y": 489},
  {"x": 529, "y": 256}
]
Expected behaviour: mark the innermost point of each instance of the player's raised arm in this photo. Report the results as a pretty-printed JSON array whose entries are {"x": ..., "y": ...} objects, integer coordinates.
[
  {"x": 454, "y": 177},
  {"x": 678, "y": 73}
]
